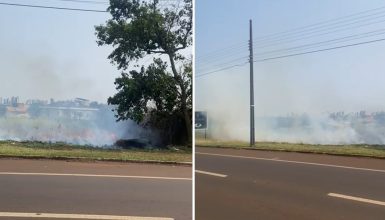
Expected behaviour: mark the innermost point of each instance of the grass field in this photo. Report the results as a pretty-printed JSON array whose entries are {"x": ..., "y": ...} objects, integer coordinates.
[
  {"x": 77, "y": 152},
  {"x": 377, "y": 151}
]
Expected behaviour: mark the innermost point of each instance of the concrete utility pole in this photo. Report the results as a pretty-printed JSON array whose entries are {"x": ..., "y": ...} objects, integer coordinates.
[{"x": 252, "y": 128}]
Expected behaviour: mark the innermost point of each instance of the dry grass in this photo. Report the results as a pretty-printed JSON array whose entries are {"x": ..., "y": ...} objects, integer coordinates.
[
  {"x": 65, "y": 151},
  {"x": 377, "y": 151}
]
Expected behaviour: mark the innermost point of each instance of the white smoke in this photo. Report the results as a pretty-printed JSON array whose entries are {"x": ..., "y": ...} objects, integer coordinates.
[
  {"x": 311, "y": 129},
  {"x": 225, "y": 97},
  {"x": 99, "y": 132}
]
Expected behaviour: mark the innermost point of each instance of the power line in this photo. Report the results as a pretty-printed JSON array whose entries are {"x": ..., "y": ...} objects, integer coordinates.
[
  {"x": 314, "y": 33},
  {"x": 327, "y": 42},
  {"x": 222, "y": 57},
  {"x": 321, "y": 32},
  {"x": 84, "y": 1},
  {"x": 337, "y": 25},
  {"x": 292, "y": 55},
  {"x": 50, "y": 7},
  {"x": 223, "y": 63},
  {"x": 320, "y": 50},
  {"x": 59, "y": 8},
  {"x": 305, "y": 29},
  {"x": 219, "y": 51},
  {"x": 296, "y": 48},
  {"x": 320, "y": 23},
  {"x": 218, "y": 70},
  {"x": 224, "y": 53}
]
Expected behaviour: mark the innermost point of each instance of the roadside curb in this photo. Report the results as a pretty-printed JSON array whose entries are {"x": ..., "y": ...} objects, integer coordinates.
[
  {"x": 84, "y": 159},
  {"x": 294, "y": 151}
]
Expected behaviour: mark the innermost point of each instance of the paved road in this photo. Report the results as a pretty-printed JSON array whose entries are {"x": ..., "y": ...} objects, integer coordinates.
[
  {"x": 112, "y": 190},
  {"x": 244, "y": 184}
]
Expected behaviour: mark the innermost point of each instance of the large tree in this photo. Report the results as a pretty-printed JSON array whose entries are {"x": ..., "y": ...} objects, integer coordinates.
[{"x": 159, "y": 94}]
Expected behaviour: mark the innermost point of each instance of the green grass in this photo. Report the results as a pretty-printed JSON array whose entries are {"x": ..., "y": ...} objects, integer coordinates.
[
  {"x": 67, "y": 151},
  {"x": 377, "y": 151}
]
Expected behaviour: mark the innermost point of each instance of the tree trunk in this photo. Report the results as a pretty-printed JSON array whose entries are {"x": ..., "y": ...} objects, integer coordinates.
[
  {"x": 188, "y": 122},
  {"x": 186, "y": 116}
]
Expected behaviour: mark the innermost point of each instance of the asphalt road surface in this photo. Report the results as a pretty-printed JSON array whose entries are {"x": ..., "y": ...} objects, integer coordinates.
[
  {"x": 249, "y": 184},
  {"x": 47, "y": 189}
]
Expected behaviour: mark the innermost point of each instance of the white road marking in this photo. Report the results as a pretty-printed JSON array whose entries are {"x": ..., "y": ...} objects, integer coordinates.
[
  {"x": 210, "y": 173},
  {"x": 291, "y": 161},
  {"x": 93, "y": 175},
  {"x": 76, "y": 216},
  {"x": 357, "y": 199}
]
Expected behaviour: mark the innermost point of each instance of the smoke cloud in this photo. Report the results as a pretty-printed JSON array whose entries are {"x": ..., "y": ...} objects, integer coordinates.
[
  {"x": 322, "y": 129},
  {"x": 294, "y": 106},
  {"x": 66, "y": 121}
]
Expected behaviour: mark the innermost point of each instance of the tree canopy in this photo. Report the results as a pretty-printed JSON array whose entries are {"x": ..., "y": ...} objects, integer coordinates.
[{"x": 158, "y": 95}]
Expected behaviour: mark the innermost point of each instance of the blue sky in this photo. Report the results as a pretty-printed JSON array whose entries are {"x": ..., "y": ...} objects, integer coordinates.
[{"x": 349, "y": 79}]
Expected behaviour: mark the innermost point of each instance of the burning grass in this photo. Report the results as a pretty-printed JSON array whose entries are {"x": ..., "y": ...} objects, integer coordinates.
[
  {"x": 377, "y": 151},
  {"x": 31, "y": 149}
]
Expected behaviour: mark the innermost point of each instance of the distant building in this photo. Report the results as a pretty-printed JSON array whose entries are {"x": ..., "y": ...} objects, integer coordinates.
[
  {"x": 74, "y": 113},
  {"x": 82, "y": 102},
  {"x": 77, "y": 109},
  {"x": 36, "y": 102},
  {"x": 17, "y": 110}
]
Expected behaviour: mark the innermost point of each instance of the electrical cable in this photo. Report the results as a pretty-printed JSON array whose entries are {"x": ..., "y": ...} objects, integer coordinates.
[
  {"x": 51, "y": 7},
  {"x": 291, "y": 55}
]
